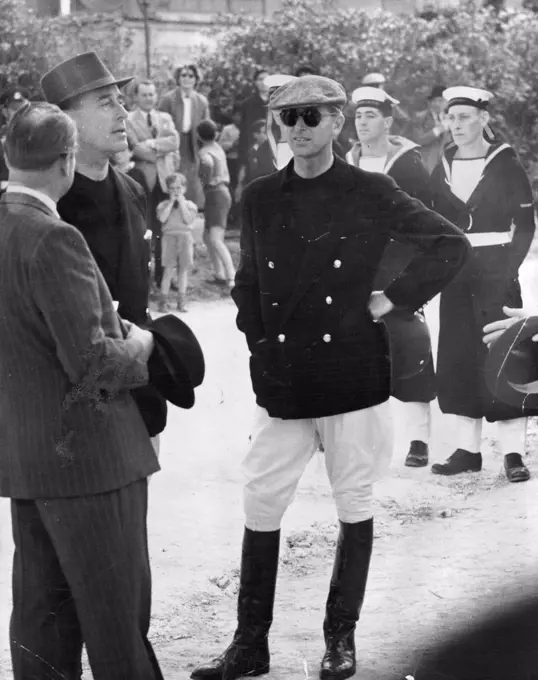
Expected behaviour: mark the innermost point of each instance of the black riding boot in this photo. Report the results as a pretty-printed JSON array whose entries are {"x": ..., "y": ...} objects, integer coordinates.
[
  {"x": 248, "y": 653},
  {"x": 346, "y": 595}
]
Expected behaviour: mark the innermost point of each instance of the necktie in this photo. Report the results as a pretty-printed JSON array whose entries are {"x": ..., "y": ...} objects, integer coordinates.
[{"x": 153, "y": 129}]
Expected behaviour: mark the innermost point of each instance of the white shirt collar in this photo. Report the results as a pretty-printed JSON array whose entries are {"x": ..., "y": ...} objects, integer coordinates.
[{"x": 47, "y": 200}]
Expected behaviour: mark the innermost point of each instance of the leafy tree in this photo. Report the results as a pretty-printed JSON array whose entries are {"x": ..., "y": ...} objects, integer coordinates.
[
  {"x": 471, "y": 45},
  {"x": 30, "y": 45}
]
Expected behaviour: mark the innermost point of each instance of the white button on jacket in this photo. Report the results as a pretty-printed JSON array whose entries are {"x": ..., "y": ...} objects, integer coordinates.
[
  {"x": 326, "y": 338},
  {"x": 337, "y": 264},
  {"x": 281, "y": 337}
]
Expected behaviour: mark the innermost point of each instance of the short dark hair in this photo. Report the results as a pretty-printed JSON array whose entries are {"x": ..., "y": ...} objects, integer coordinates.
[
  {"x": 38, "y": 134},
  {"x": 207, "y": 130},
  {"x": 187, "y": 67},
  {"x": 173, "y": 177},
  {"x": 145, "y": 81},
  {"x": 258, "y": 72}
]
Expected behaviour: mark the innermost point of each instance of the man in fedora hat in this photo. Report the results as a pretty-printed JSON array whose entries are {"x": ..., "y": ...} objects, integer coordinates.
[
  {"x": 106, "y": 205},
  {"x": 74, "y": 452},
  {"x": 312, "y": 239}
]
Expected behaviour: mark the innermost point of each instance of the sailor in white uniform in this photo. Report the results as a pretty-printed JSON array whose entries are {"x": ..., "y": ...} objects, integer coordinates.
[{"x": 379, "y": 151}]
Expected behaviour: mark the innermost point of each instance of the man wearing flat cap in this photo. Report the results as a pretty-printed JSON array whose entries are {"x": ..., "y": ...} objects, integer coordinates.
[
  {"x": 105, "y": 204},
  {"x": 482, "y": 187},
  {"x": 312, "y": 239}
]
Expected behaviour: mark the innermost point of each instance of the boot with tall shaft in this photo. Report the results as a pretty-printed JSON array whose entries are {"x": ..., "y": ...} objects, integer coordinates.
[
  {"x": 346, "y": 595},
  {"x": 248, "y": 654}
]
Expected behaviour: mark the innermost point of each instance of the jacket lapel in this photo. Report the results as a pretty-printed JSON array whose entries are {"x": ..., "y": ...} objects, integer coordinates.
[{"x": 321, "y": 251}]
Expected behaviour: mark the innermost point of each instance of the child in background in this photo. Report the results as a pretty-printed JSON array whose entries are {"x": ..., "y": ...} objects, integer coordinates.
[
  {"x": 177, "y": 215},
  {"x": 216, "y": 179}
]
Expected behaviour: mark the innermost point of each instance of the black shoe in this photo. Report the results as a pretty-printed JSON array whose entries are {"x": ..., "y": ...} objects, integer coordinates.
[
  {"x": 515, "y": 468},
  {"x": 460, "y": 461},
  {"x": 248, "y": 653},
  {"x": 418, "y": 454},
  {"x": 346, "y": 595}
]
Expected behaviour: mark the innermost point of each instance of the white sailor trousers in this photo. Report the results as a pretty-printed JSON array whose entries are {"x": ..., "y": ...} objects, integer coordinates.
[{"x": 358, "y": 450}]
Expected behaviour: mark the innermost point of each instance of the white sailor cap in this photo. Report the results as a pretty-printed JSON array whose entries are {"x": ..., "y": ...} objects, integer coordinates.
[
  {"x": 374, "y": 79},
  {"x": 278, "y": 79},
  {"x": 468, "y": 96},
  {"x": 373, "y": 96}
]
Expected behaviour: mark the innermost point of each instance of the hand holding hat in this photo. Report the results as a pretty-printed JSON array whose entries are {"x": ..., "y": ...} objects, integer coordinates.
[
  {"x": 511, "y": 366},
  {"x": 494, "y": 330},
  {"x": 176, "y": 365}
]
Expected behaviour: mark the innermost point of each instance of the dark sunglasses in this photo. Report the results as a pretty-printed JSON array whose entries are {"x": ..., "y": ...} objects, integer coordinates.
[{"x": 311, "y": 116}]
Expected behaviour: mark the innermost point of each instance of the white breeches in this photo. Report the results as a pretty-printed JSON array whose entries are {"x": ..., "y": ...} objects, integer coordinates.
[{"x": 358, "y": 450}]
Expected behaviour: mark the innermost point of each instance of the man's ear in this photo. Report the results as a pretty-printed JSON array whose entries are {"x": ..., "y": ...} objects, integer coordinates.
[
  {"x": 484, "y": 117},
  {"x": 338, "y": 123},
  {"x": 388, "y": 123}
]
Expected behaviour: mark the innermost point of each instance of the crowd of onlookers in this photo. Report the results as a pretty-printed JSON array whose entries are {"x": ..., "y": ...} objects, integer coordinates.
[{"x": 194, "y": 153}]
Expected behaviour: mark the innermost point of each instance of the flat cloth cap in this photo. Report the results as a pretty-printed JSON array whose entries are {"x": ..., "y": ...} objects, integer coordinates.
[{"x": 308, "y": 91}]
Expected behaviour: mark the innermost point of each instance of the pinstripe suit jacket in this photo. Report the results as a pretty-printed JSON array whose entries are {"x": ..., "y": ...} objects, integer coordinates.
[{"x": 68, "y": 423}]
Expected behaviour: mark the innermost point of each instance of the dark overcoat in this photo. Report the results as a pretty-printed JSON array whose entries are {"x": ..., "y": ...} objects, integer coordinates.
[
  {"x": 315, "y": 349},
  {"x": 126, "y": 274},
  {"x": 502, "y": 203}
]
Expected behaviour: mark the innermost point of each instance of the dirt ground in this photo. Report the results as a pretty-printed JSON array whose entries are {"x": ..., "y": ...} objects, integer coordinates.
[{"x": 444, "y": 548}]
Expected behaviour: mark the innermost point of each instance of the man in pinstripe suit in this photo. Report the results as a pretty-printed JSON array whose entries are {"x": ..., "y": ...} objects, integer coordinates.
[{"x": 75, "y": 454}]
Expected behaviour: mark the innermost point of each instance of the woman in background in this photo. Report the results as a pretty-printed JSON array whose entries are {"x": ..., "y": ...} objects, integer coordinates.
[{"x": 218, "y": 201}]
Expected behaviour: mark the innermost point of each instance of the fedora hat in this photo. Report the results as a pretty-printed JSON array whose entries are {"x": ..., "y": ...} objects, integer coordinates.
[
  {"x": 409, "y": 343},
  {"x": 511, "y": 368},
  {"x": 176, "y": 365},
  {"x": 78, "y": 75}
]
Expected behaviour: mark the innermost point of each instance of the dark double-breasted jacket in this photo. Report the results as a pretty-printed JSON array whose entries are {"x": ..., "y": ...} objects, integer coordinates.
[{"x": 315, "y": 349}]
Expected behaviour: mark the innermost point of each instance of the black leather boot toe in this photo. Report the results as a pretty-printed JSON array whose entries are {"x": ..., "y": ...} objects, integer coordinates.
[{"x": 339, "y": 659}]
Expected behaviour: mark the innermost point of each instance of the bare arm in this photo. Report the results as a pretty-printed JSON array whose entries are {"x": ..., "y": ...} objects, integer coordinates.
[{"x": 164, "y": 209}]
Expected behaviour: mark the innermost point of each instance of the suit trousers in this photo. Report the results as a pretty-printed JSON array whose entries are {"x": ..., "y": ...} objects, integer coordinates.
[
  {"x": 357, "y": 447},
  {"x": 81, "y": 574}
]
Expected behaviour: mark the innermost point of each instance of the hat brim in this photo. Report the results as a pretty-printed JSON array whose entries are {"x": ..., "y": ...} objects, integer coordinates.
[
  {"x": 301, "y": 105},
  {"x": 511, "y": 368},
  {"x": 409, "y": 343},
  {"x": 169, "y": 374},
  {"x": 97, "y": 85}
]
